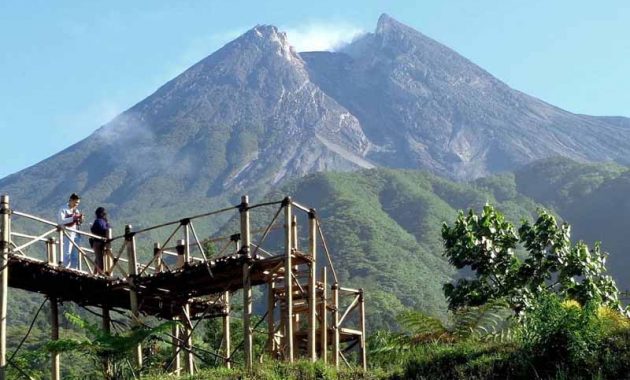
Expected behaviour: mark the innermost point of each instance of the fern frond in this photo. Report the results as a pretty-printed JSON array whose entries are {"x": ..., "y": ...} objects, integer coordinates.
[{"x": 480, "y": 321}]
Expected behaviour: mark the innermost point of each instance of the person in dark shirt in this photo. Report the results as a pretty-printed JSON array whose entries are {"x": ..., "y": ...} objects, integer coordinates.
[{"x": 99, "y": 228}]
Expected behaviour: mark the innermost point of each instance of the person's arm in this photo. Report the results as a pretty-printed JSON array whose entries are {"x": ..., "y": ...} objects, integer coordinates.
[{"x": 62, "y": 219}]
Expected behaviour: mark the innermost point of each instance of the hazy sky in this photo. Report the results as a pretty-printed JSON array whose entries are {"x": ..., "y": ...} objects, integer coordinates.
[{"x": 68, "y": 67}]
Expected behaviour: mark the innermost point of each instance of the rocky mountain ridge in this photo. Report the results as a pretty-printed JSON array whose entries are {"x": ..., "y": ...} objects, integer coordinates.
[{"x": 256, "y": 113}]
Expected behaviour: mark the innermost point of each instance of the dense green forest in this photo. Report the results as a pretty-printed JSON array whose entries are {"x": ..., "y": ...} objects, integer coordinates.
[{"x": 384, "y": 228}]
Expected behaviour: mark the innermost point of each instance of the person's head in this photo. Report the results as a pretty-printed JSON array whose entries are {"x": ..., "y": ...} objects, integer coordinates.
[
  {"x": 74, "y": 200},
  {"x": 101, "y": 212}
]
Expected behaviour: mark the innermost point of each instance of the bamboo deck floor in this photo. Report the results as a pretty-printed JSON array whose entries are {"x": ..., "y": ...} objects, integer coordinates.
[{"x": 160, "y": 294}]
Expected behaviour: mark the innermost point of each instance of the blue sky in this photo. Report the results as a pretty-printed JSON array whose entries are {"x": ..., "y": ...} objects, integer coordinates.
[{"x": 68, "y": 67}]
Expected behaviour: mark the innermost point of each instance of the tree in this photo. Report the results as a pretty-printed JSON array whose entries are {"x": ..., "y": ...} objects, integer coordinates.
[{"x": 486, "y": 245}]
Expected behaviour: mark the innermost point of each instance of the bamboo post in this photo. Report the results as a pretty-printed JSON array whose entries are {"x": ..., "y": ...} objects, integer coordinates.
[
  {"x": 227, "y": 348},
  {"x": 271, "y": 323},
  {"x": 176, "y": 348},
  {"x": 60, "y": 245},
  {"x": 323, "y": 331},
  {"x": 288, "y": 281},
  {"x": 190, "y": 365},
  {"x": 186, "y": 241},
  {"x": 5, "y": 213},
  {"x": 106, "y": 325},
  {"x": 247, "y": 288},
  {"x": 294, "y": 232},
  {"x": 157, "y": 257},
  {"x": 335, "y": 321},
  {"x": 108, "y": 263},
  {"x": 181, "y": 253},
  {"x": 51, "y": 250},
  {"x": 312, "y": 301},
  {"x": 362, "y": 311},
  {"x": 108, "y": 259},
  {"x": 133, "y": 295},
  {"x": 54, "y": 313},
  {"x": 107, "y": 268},
  {"x": 227, "y": 334},
  {"x": 296, "y": 316},
  {"x": 54, "y": 335},
  {"x": 77, "y": 239}
]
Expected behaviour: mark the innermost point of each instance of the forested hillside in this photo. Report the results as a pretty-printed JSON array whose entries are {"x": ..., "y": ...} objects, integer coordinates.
[{"x": 383, "y": 227}]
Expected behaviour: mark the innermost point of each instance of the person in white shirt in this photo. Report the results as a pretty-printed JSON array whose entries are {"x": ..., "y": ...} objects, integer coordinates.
[{"x": 69, "y": 216}]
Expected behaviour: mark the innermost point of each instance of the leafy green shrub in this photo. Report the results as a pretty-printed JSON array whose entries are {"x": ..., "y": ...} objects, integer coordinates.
[
  {"x": 557, "y": 335},
  {"x": 486, "y": 244}
]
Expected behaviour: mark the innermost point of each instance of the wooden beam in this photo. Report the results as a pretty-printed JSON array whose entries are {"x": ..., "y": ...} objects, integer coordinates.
[
  {"x": 227, "y": 347},
  {"x": 60, "y": 246},
  {"x": 181, "y": 253},
  {"x": 312, "y": 291},
  {"x": 51, "y": 251},
  {"x": 157, "y": 257},
  {"x": 108, "y": 259},
  {"x": 54, "y": 335},
  {"x": 294, "y": 232},
  {"x": 271, "y": 322},
  {"x": 362, "y": 322},
  {"x": 133, "y": 295},
  {"x": 175, "y": 345},
  {"x": 350, "y": 307},
  {"x": 335, "y": 321},
  {"x": 107, "y": 325},
  {"x": 5, "y": 215},
  {"x": 288, "y": 281},
  {"x": 323, "y": 312},
  {"x": 188, "y": 328},
  {"x": 247, "y": 284},
  {"x": 187, "y": 242},
  {"x": 227, "y": 336}
]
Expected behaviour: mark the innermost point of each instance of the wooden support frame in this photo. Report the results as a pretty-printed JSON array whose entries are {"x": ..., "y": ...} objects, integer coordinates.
[
  {"x": 288, "y": 282},
  {"x": 227, "y": 346},
  {"x": 294, "y": 270},
  {"x": 271, "y": 318},
  {"x": 363, "y": 347},
  {"x": 5, "y": 215},
  {"x": 187, "y": 242},
  {"x": 108, "y": 259},
  {"x": 60, "y": 235},
  {"x": 133, "y": 295},
  {"x": 157, "y": 257},
  {"x": 297, "y": 316},
  {"x": 335, "y": 326},
  {"x": 247, "y": 285},
  {"x": 189, "y": 363},
  {"x": 55, "y": 368},
  {"x": 312, "y": 286},
  {"x": 177, "y": 357},
  {"x": 323, "y": 312}
]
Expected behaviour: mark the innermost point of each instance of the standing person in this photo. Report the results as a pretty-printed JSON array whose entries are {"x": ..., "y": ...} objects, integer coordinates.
[
  {"x": 69, "y": 216},
  {"x": 99, "y": 228}
]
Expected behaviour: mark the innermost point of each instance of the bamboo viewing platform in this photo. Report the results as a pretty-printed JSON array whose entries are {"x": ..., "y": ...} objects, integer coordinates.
[{"x": 308, "y": 314}]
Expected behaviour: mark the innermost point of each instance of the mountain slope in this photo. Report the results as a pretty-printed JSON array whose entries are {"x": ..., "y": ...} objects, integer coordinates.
[
  {"x": 255, "y": 114},
  {"x": 422, "y": 105},
  {"x": 592, "y": 198},
  {"x": 383, "y": 227},
  {"x": 241, "y": 120}
]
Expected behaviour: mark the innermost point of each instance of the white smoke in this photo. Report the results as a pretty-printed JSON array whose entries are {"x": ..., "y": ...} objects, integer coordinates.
[
  {"x": 322, "y": 36},
  {"x": 130, "y": 142}
]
